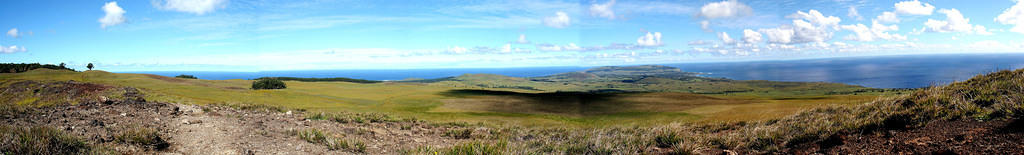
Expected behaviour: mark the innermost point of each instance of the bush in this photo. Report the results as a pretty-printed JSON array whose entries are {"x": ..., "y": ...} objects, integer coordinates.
[
  {"x": 268, "y": 84},
  {"x": 186, "y": 76}
]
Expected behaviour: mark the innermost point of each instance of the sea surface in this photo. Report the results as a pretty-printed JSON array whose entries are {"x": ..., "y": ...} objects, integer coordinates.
[{"x": 907, "y": 71}]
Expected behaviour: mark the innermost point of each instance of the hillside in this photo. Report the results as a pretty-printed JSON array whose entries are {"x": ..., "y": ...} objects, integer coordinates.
[
  {"x": 95, "y": 115},
  {"x": 978, "y": 116}
]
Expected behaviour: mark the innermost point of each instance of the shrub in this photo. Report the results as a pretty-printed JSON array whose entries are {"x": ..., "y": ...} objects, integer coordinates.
[
  {"x": 268, "y": 84},
  {"x": 183, "y": 76}
]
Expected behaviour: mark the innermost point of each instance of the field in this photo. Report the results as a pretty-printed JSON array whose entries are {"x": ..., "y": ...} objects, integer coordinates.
[{"x": 470, "y": 101}]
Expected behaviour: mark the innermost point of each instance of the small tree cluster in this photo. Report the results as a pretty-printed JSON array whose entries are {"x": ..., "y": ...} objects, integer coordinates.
[
  {"x": 24, "y": 67},
  {"x": 186, "y": 76},
  {"x": 268, "y": 83}
]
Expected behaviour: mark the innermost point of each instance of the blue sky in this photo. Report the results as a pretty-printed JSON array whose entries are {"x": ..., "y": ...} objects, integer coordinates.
[{"x": 236, "y": 35}]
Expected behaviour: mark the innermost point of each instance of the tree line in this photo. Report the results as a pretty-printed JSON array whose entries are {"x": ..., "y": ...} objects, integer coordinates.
[{"x": 24, "y": 67}]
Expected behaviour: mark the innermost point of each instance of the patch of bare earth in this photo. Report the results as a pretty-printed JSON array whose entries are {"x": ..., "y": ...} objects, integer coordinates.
[{"x": 193, "y": 129}]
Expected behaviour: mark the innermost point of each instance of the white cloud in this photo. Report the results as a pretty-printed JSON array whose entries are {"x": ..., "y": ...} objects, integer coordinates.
[
  {"x": 650, "y": 39},
  {"x": 1013, "y": 16},
  {"x": 114, "y": 15},
  {"x": 560, "y": 20},
  {"x": 551, "y": 47},
  {"x": 698, "y": 42},
  {"x": 955, "y": 22},
  {"x": 852, "y": 13},
  {"x": 11, "y": 49},
  {"x": 807, "y": 27},
  {"x": 507, "y": 48},
  {"x": 706, "y": 26},
  {"x": 603, "y": 10},
  {"x": 198, "y": 7},
  {"x": 914, "y": 8},
  {"x": 725, "y": 9},
  {"x": 751, "y": 36},
  {"x": 875, "y": 32},
  {"x": 457, "y": 50},
  {"x": 782, "y": 35},
  {"x": 888, "y": 17},
  {"x": 522, "y": 39},
  {"x": 725, "y": 38},
  {"x": 13, "y": 33},
  {"x": 572, "y": 47},
  {"x": 816, "y": 18}
]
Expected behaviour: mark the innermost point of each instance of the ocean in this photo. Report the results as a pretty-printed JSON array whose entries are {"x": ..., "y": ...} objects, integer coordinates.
[{"x": 905, "y": 71}]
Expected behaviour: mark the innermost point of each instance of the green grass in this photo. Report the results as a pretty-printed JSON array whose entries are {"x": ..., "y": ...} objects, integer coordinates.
[{"x": 428, "y": 101}]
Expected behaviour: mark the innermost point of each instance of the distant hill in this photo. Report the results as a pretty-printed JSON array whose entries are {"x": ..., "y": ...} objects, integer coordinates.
[
  {"x": 336, "y": 79},
  {"x": 645, "y": 78}
]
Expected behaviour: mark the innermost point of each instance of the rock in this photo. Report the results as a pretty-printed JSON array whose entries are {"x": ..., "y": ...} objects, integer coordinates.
[{"x": 288, "y": 113}]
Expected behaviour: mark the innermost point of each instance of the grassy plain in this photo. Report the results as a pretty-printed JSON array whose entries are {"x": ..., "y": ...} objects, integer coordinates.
[{"x": 505, "y": 100}]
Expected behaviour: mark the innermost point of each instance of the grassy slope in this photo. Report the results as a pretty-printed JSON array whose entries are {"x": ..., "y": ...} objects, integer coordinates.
[
  {"x": 422, "y": 101},
  {"x": 995, "y": 96}
]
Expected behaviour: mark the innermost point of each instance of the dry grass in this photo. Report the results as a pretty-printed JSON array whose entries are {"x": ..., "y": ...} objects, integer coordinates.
[
  {"x": 997, "y": 95},
  {"x": 41, "y": 140}
]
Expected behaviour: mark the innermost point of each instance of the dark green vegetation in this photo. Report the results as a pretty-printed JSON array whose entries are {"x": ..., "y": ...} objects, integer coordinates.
[
  {"x": 89, "y": 66},
  {"x": 40, "y": 140},
  {"x": 23, "y": 67},
  {"x": 186, "y": 76},
  {"x": 268, "y": 84},
  {"x": 337, "y": 79}
]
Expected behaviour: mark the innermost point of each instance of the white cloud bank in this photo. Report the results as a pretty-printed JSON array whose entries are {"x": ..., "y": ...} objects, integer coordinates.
[
  {"x": 198, "y": 7},
  {"x": 560, "y": 20},
  {"x": 113, "y": 15},
  {"x": 11, "y": 49},
  {"x": 1013, "y": 16}
]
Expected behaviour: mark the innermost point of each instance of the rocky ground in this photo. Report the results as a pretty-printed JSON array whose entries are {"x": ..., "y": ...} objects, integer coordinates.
[{"x": 191, "y": 129}]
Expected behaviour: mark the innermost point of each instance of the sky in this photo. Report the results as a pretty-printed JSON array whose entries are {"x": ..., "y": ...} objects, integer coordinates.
[{"x": 263, "y": 35}]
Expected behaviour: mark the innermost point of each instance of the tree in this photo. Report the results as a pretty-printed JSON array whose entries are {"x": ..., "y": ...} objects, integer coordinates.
[
  {"x": 62, "y": 65},
  {"x": 268, "y": 83},
  {"x": 89, "y": 66}
]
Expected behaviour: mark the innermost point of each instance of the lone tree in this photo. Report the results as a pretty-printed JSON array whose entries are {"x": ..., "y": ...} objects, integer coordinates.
[
  {"x": 268, "y": 83},
  {"x": 62, "y": 65},
  {"x": 89, "y": 66}
]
